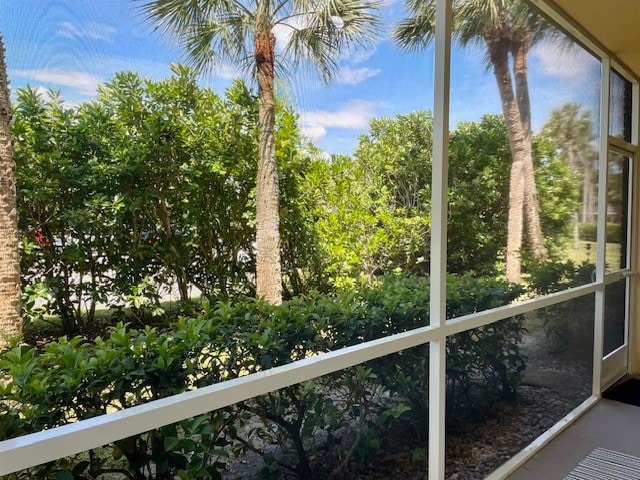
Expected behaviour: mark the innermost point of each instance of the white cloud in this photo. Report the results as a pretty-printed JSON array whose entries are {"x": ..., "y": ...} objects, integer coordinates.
[
  {"x": 314, "y": 133},
  {"x": 354, "y": 76},
  {"x": 562, "y": 60},
  {"x": 284, "y": 31},
  {"x": 226, "y": 72},
  {"x": 361, "y": 55},
  {"x": 85, "y": 83},
  {"x": 92, "y": 30},
  {"x": 355, "y": 115}
]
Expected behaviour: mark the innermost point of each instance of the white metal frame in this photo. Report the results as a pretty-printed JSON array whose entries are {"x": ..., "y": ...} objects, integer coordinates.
[
  {"x": 29, "y": 450},
  {"x": 601, "y": 245},
  {"x": 634, "y": 231},
  {"x": 616, "y": 364},
  {"x": 438, "y": 254}
]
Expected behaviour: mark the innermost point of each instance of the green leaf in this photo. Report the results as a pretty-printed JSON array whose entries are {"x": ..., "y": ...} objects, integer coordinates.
[
  {"x": 171, "y": 443},
  {"x": 63, "y": 475}
]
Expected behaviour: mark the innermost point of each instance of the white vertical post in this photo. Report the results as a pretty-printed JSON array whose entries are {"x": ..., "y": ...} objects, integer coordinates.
[
  {"x": 438, "y": 282},
  {"x": 603, "y": 171},
  {"x": 635, "y": 92},
  {"x": 632, "y": 241},
  {"x": 630, "y": 256},
  {"x": 635, "y": 112}
]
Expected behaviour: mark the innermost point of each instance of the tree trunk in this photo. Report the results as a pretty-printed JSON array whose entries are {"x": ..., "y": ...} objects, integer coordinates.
[
  {"x": 177, "y": 264},
  {"x": 498, "y": 47},
  {"x": 268, "y": 265},
  {"x": 588, "y": 196},
  {"x": 519, "y": 49},
  {"x": 10, "y": 315}
]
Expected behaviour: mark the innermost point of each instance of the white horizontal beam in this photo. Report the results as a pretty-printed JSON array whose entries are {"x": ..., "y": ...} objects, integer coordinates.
[{"x": 475, "y": 320}]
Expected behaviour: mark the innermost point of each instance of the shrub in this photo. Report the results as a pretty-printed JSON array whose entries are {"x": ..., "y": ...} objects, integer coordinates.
[
  {"x": 73, "y": 379},
  {"x": 567, "y": 324},
  {"x": 149, "y": 187},
  {"x": 588, "y": 232}
]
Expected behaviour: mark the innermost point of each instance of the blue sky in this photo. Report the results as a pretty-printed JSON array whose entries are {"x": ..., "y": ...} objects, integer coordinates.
[{"x": 73, "y": 45}]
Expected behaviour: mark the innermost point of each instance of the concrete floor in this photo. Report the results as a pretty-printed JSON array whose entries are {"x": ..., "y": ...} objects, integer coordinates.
[{"x": 609, "y": 424}]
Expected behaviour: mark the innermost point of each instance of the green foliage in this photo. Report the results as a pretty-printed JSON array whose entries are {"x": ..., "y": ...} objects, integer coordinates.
[
  {"x": 359, "y": 235},
  {"x": 398, "y": 151},
  {"x": 558, "y": 193},
  {"x": 62, "y": 217},
  {"x": 588, "y": 232},
  {"x": 148, "y": 187},
  {"x": 567, "y": 324},
  {"x": 383, "y": 196},
  {"x": 479, "y": 165},
  {"x": 178, "y": 150},
  {"x": 302, "y": 265},
  {"x": 152, "y": 186},
  {"x": 395, "y": 157},
  {"x": 479, "y": 194},
  {"x": 484, "y": 366},
  {"x": 323, "y": 425}
]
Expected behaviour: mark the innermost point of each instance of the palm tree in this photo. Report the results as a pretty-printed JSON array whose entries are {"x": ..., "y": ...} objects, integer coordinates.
[
  {"x": 507, "y": 30},
  {"x": 10, "y": 318},
  {"x": 243, "y": 33},
  {"x": 571, "y": 130}
]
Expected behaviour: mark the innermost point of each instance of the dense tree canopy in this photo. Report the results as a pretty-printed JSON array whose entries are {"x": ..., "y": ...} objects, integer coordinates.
[
  {"x": 507, "y": 29},
  {"x": 571, "y": 129},
  {"x": 243, "y": 34},
  {"x": 374, "y": 209},
  {"x": 152, "y": 187}
]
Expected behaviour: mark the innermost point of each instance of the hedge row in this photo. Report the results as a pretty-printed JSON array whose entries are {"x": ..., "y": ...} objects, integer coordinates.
[
  {"x": 588, "y": 232},
  {"x": 72, "y": 379}
]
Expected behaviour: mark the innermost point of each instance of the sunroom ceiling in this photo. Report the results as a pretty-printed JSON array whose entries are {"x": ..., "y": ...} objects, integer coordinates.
[{"x": 614, "y": 23}]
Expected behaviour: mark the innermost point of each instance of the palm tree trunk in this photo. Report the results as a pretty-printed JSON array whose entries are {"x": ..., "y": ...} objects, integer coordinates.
[
  {"x": 519, "y": 49},
  {"x": 10, "y": 315},
  {"x": 498, "y": 47},
  {"x": 268, "y": 264},
  {"x": 588, "y": 196}
]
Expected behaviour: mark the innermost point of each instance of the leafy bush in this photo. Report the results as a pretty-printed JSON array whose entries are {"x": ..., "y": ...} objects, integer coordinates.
[
  {"x": 588, "y": 232},
  {"x": 150, "y": 186},
  {"x": 566, "y": 324},
  {"x": 73, "y": 379}
]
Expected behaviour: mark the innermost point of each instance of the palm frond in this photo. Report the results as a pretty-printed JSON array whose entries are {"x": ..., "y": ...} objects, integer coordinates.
[
  {"x": 208, "y": 31},
  {"x": 323, "y": 31},
  {"x": 171, "y": 16},
  {"x": 215, "y": 31},
  {"x": 473, "y": 18},
  {"x": 417, "y": 31}
]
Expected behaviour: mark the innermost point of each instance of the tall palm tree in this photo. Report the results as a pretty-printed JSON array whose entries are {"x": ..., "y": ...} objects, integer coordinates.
[
  {"x": 507, "y": 29},
  {"x": 10, "y": 317},
  {"x": 242, "y": 33},
  {"x": 571, "y": 129}
]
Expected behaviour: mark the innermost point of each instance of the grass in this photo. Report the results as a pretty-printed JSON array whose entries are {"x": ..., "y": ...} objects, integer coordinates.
[{"x": 586, "y": 252}]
